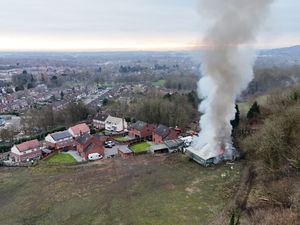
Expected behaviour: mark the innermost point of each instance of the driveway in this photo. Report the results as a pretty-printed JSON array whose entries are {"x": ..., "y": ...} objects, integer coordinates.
[
  {"x": 108, "y": 152},
  {"x": 75, "y": 155}
]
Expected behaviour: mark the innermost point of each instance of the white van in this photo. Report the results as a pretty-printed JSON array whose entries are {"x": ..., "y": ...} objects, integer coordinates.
[{"x": 94, "y": 156}]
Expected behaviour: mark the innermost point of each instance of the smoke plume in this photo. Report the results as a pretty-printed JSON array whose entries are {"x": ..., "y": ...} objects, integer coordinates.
[{"x": 226, "y": 67}]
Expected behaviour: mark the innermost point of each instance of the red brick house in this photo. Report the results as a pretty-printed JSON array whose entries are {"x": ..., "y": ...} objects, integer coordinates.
[
  {"x": 26, "y": 151},
  {"x": 62, "y": 140},
  {"x": 79, "y": 130},
  {"x": 163, "y": 133},
  {"x": 141, "y": 130},
  {"x": 88, "y": 144}
]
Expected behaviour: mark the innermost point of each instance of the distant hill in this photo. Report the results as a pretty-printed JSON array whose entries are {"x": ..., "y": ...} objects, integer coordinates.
[
  {"x": 289, "y": 51},
  {"x": 275, "y": 69},
  {"x": 278, "y": 57}
]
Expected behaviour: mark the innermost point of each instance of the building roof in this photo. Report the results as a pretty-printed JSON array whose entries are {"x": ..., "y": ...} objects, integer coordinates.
[
  {"x": 28, "y": 145},
  {"x": 124, "y": 150},
  {"x": 139, "y": 125},
  {"x": 80, "y": 129},
  {"x": 61, "y": 135},
  {"x": 205, "y": 154},
  {"x": 114, "y": 120},
  {"x": 84, "y": 138},
  {"x": 162, "y": 130},
  {"x": 174, "y": 143},
  {"x": 91, "y": 143},
  {"x": 101, "y": 117},
  {"x": 154, "y": 148}
]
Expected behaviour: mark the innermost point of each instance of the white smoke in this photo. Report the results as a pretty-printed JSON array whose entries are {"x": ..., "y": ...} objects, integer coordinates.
[{"x": 226, "y": 67}]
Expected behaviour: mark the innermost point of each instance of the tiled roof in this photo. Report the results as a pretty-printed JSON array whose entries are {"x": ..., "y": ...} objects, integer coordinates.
[
  {"x": 83, "y": 139},
  {"x": 80, "y": 129},
  {"x": 28, "y": 145},
  {"x": 139, "y": 125},
  {"x": 162, "y": 131},
  {"x": 101, "y": 117}
]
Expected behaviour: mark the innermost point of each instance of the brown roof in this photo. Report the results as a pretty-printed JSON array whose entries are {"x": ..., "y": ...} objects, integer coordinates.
[
  {"x": 80, "y": 129},
  {"x": 28, "y": 145}
]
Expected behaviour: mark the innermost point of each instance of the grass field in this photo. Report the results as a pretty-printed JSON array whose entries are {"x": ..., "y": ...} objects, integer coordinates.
[
  {"x": 159, "y": 83},
  {"x": 61, "y": 158},
  {"x": 143, "y": 190},
  {"x": 139, "y": 148}
]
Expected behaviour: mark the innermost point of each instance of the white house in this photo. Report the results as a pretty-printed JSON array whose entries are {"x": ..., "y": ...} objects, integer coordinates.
[
  {"x": 99, "y": 121},
  {"x": 115, "y": 124},
  {"x": 26, "y": 151}
]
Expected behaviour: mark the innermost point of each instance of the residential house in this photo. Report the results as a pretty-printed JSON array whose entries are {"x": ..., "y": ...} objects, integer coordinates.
[
  {"x": 62, "y": 140},
  {"x": 141, "y": 130},
  {"x": 162, "y": 133},
  {"x": 26, "y": 151},
  {"x": 79, "y": 130},
  {"x": 115, "y": 124},
  {"x": 88, "y": 144},
  {"x": 99, "y": 121}
]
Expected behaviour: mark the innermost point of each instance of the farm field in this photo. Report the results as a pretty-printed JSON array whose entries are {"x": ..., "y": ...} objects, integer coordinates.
[{"x": 161, "y": 190}]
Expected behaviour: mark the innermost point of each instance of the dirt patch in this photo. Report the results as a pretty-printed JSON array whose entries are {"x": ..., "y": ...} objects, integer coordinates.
[{"x": 168, "y": 187}]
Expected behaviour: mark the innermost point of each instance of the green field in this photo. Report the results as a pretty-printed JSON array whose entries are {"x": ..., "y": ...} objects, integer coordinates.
[
  {"x": 147, "y": 190},
  {"x": 61, "y": 158},
  {"x": 159, "y": 83},
  {"x": 139, "y": 148}
]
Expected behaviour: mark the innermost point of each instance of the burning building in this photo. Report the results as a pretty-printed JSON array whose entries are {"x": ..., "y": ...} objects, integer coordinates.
[{"x": 227, "y": 69}]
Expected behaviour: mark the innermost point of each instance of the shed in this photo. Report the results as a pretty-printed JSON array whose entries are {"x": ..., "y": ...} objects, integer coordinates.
[
  {"x": 174, "y": 145},
  {"x": 124, "y": 152},
  {"x": 204, "y": 158},
  {"x": 160, "y": 148}
]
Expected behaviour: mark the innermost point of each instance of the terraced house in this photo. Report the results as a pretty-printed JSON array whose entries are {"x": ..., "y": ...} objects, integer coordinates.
[{"x": 26, "y": 151}]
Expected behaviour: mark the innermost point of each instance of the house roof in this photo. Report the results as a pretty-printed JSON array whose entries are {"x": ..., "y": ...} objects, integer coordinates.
[
  {"x": 92, "y": 142},
  {"x": 84, "y": 138},
  {"x": 60, "y": 135},
  {"x": 28, "y": 145},
  {"x": 162, "y": 130},
  {"x": 124, "y": 150},
  {"x": 101, "y": 117},
  {"x": 80, "y": 129},
  {"x": 158, "y": 147},
  {"x": 139, "y": 125},
  {"x": 114, "y": 120}
]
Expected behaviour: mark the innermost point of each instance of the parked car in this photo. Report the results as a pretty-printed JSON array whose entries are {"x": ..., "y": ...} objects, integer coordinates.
[
  {"x": 109, "y": 144},
  {"x": 94, "y": 156}
]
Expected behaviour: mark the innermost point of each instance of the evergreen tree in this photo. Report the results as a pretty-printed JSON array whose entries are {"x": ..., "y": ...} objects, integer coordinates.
[
  {"x": 236, "y": 121},
  {"x": 253, "y": 111}
]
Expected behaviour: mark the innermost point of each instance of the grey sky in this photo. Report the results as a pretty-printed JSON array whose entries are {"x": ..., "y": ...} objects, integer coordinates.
[{"x": 88, "y": 24}]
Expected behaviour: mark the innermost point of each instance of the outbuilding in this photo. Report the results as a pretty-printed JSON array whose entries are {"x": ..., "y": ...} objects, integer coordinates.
[{"x": 124, "y": 152}]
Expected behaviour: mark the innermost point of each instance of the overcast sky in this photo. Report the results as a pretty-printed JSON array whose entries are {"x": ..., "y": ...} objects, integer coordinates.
[{"x": 124, "y": 24}]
